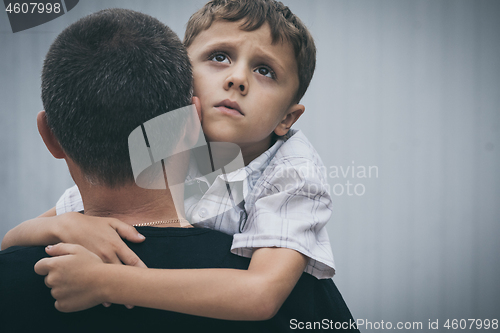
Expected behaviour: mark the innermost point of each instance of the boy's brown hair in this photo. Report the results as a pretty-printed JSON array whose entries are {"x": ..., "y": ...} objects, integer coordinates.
[{"x": 284, "y": 25}]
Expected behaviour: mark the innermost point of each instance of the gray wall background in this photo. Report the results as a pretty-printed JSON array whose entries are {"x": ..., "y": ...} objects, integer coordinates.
[{"x": 409, "y": 86}]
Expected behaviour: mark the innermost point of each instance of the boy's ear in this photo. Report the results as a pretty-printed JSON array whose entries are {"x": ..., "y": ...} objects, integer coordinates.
[
  {"x": 193, "y": 126},
  {"x": 291, "y": 116},
  {"x": 197, "y": 104},
  {"x": 48, "y": 137}
]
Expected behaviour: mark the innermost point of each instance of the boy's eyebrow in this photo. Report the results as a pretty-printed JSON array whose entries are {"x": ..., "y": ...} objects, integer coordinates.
[
  {"x": 219, "y": 45},
  {"x": 269, "y": 57}
]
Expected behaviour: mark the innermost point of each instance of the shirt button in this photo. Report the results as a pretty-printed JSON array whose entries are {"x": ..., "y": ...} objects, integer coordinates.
[{"x": 203, "y": 212}]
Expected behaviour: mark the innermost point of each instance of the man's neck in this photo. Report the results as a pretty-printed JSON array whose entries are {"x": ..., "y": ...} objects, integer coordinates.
[{"x": 131, "y": 204}]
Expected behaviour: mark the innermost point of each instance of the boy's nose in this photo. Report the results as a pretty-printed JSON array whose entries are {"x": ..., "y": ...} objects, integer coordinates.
[{"x": 237, "y": 80}]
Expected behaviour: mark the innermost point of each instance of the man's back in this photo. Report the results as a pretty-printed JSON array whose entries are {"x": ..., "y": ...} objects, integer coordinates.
[{"x": 28, "y": 306}]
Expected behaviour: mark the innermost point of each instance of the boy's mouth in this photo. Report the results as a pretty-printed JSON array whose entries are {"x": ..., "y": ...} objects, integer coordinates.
[{"x": 230, "y": 106}]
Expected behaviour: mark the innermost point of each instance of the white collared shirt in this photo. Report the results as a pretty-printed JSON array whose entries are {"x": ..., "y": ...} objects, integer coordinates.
[{"x": 280, "y": 199}]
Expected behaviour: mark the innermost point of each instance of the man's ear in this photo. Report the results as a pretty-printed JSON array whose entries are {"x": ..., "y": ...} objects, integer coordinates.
[
  {"x": 291, "y": 116},
  {"x": 48, "y": 137}
]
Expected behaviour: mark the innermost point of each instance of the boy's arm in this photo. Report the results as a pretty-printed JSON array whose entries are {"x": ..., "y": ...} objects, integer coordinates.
[
  {"x": 98, "y": 234},
  {"x": 49, "y": 213},
  {"x": 37, "y": 231},
  {"x": 80, "y": 280}
]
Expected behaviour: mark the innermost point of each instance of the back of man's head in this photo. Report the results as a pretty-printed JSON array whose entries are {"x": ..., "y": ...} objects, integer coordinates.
[{"x": 105, "y": 75}]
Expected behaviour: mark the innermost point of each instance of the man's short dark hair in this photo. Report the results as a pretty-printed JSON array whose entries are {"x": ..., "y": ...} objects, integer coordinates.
[{"x": 105, "y": 75}]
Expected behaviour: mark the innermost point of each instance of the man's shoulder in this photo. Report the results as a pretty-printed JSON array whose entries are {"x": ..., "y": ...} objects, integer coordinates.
[
  {"x": 23, "y": 288},
  {"x": 16, "y": 253},
  {"x": 17, "y": 264}
]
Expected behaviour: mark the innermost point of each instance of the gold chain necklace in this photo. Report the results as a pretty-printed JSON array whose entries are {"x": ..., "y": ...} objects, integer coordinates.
[{"x": 160, "y": 222}]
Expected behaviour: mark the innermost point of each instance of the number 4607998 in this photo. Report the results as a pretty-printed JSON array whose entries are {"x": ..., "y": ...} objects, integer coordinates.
[
  {"x": 33, "y": 7},
  {"x": 471, "y": 323}
]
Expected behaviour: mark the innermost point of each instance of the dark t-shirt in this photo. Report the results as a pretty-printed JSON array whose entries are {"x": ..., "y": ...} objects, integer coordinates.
[{"x": 26, "y": 304}]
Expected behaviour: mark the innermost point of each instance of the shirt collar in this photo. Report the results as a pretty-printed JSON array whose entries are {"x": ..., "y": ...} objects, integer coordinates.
[{"x": 258, "y": 165}]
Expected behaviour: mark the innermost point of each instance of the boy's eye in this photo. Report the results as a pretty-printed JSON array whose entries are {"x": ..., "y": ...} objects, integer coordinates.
[
  {"x": 219, "y": 57},
  {"x": 265, "y": 71}
]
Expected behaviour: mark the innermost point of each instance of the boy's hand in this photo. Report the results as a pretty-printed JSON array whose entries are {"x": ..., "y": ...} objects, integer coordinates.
[
  {"x": 73, "y": 276},
  {"x": 102, "y": 236}
]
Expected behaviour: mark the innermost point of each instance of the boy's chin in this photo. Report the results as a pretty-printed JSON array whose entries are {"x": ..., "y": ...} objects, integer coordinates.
[
  {"x": 215, "y": 137},
  {"x": 208, "y": 138}
]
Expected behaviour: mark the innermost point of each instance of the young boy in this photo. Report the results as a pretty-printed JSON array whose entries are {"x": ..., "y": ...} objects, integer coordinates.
[{"x": 252, "y": 62}]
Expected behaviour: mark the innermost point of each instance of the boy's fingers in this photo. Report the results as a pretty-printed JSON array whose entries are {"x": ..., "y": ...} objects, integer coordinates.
[
  {"x": 59, "y": 307},
  {"x": 111, "y": 255},
  {"x": 128, "y": 232},
  {"x": 128, "y": 257},
  {"x": 140, "y": 263},
  {"x": 42, "y": 266},
  {"x": 61, "y": 249},
  {"x": 107, "y": 305},
  {"x": 114, "y": 259}
]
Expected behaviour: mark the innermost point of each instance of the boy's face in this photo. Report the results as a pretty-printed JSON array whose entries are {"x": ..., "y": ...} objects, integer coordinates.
[{"x": 246, "y": 85}]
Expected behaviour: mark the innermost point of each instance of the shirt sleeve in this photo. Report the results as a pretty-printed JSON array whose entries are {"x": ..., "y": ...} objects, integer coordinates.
[
  {"x": 291, "y": 210},
  {"x": 70, "y": 201}
]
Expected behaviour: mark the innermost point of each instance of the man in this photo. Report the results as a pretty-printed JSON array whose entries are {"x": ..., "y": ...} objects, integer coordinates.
[{"x": 104, "y": 77}]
